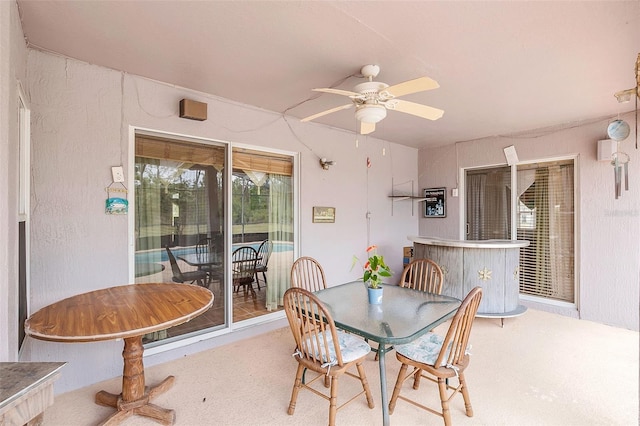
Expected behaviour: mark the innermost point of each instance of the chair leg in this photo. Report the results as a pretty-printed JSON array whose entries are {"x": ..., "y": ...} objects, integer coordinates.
[
  {"x": 444, "y": 401},
  {"x": 465, "y": 394},
  {"x": 256, "y": 280},
  {"x": 365, "y": 384},
  {"x": 297, "y": 384},
  {"x": 333, "y": 401},
  {"x": 416, "y": 379},
  {"x": 397, "y": 387}
]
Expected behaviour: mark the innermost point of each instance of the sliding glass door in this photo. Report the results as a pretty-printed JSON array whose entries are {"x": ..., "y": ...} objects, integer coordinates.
[
  {"x": 546, "y": 218},
  {"x": 488, "y": 199},
  {"x": 262, "y": 213},
  {"x": 183, "y": 196},
  {"x": 179, "y": 202},
  {"x": 544, "y": 200}
]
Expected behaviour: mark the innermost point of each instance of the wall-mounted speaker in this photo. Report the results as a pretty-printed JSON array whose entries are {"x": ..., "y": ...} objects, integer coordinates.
[{"x": 193, "y": 110}]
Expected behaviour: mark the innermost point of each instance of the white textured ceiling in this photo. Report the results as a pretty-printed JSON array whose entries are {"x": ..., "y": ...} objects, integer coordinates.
[{"x": 503, "y": 67}]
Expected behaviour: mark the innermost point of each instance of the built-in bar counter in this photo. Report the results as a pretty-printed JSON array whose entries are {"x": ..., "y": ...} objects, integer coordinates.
[{"x": 490, "y": 264}]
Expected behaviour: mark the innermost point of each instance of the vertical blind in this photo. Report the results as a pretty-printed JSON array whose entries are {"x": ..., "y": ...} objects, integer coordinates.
[
  {"x": 489, "y": 204},
  {"x": 545, "y": 215}
]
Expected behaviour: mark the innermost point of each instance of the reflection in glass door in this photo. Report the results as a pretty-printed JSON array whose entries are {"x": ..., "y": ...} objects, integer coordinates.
[
  {"x": 262, "y": 218},
  {"x": 179, "y": 221},
  {"x": 181, "y": 198}
]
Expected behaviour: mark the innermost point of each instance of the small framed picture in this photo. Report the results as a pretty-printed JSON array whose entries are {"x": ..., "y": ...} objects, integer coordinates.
[
  {"x": 324, "y": 214},
  {"x": 435, "y": 204}
]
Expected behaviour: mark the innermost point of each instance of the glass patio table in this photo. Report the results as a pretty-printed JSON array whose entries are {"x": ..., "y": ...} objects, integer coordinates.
[
  {"x": 202, "y": 259},
  {"x": 403, "y": 316}
]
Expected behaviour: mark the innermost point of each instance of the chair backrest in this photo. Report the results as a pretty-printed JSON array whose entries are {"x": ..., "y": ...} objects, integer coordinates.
[
  {"x": 204, "y": 245},
  {"x": 424, "y": 275},
  {"x": 177, "y": 273},
  {"x": 245, "y": 259},
  {"x": 312, "y": 327},
  {"x": 455, "y": 344},
  {"x": 264, "y": 252},
  {"x": 307, "y": 273}
]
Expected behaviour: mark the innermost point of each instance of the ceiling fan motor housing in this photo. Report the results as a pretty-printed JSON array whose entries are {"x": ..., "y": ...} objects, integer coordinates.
[
  {"x": 369, "y": 108},
  {"x": 370, "y": 89}
]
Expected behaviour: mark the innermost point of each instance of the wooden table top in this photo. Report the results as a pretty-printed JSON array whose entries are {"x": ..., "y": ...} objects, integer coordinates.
[{"x": 119, "y": 312}]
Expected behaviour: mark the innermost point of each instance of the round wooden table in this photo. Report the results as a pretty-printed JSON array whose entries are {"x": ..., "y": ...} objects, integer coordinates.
[{"x": 127, "y": 312}]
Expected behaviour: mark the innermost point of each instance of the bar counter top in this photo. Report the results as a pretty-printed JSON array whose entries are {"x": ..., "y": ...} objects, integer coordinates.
[{"x": 498, "y": 244}]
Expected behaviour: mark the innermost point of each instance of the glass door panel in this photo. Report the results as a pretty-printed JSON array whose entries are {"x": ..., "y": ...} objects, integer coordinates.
[
  {"x": 179, "y": 222},
  {"x": 488, "y": 204},
  {"x": 262, "y": 216},
  {"x": 546, "y": 218}
]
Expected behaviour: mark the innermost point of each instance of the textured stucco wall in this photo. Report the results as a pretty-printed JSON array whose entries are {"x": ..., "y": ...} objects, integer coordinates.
[
  {"x": 608, "y": 246},
  {"x": 13, "y": 54},
  {"x": 81, "y": 118}
]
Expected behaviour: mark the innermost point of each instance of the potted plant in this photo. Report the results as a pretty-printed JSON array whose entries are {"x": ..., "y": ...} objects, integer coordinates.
[{"x": 374, "y": 269}]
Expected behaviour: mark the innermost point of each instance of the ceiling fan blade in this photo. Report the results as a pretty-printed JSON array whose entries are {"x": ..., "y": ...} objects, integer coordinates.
[
  {"x": 329, "y": 111},
  {"x": 412, "y": 86},
  {"x": 337, "y": 91},
  {"x": 424, "y": 111},
  {"x": 366, "y": 128}
]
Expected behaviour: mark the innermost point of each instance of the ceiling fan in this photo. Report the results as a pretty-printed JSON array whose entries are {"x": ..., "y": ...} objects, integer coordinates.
[{"x": 372, "y": 99}]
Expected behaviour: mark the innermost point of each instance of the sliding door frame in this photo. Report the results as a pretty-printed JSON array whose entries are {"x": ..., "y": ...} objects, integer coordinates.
[
  {"x": 229, "y": 326},
  {"x": 514, "y": 199}
]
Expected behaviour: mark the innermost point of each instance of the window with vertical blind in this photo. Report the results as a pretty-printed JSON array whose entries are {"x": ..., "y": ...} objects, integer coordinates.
[
  {"x": 546, "y": 218},
  {"x": 544, "y": 215}
]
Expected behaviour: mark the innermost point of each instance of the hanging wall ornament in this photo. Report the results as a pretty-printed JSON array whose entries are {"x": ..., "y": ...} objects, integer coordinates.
[
  {"x": 618, "y": 130},
  {"x": 620, "y": 163},
  {"x": 116, "y": 204}
]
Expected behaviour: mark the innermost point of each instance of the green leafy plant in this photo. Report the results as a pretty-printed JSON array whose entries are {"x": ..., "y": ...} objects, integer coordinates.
[{"x": 374, "y": 268}]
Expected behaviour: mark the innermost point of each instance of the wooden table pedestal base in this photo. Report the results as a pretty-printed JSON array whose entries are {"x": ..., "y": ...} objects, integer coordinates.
[
  {"x": 135, "y": 396},
  {"x": 141, "y": 407}
]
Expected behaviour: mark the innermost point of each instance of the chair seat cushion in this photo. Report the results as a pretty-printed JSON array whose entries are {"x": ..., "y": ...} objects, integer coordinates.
[
  {"x": 351, "y": 348},
  {"x": 425, "y": 349}
]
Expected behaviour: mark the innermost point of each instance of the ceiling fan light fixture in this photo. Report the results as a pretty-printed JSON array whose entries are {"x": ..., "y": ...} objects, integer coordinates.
[{"x": 371, "y": 113}]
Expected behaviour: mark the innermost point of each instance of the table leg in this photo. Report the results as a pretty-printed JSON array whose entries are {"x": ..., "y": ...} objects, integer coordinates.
[
  {"x": 382, "y": 350},
  {"x": 135, "y": 397}
]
